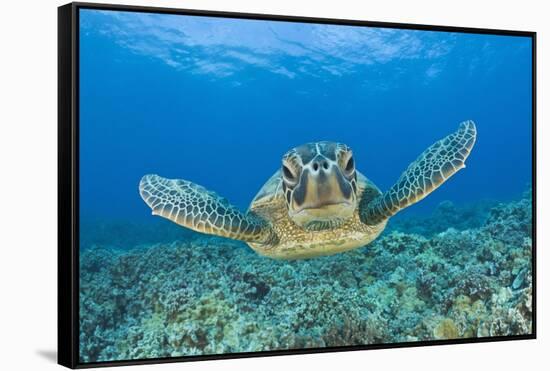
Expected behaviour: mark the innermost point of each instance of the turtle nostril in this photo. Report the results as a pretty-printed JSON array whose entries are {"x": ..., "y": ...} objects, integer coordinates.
[{"x": 321, "y": 163}]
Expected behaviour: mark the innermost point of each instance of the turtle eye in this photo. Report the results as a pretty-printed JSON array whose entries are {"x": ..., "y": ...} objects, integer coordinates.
[
  {"x": 350, "y": 166},
  {"x": 289, "y": 176}
]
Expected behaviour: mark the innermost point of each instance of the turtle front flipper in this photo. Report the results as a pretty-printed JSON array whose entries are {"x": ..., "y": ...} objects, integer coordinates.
[
  {"x": 431, "y": 169},
  {"x": 194, "y": 207}
]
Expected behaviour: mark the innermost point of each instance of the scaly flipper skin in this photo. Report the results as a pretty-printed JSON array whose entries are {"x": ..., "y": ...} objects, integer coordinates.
[
  {"x": 431, "y": 169},
  {"x": 196, "y": 208}
]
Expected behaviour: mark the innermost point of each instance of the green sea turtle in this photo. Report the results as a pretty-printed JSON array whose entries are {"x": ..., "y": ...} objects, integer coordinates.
[{"x": 316, "y": 204}]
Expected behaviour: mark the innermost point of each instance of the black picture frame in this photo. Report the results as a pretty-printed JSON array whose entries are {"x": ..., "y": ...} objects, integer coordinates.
[{"x": 68, "y": 180}]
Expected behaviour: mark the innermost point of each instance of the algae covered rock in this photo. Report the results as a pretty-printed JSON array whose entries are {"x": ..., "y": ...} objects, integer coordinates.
[
  {"x": 209, "y": 295},
  {"x": 446, "y": 329}
]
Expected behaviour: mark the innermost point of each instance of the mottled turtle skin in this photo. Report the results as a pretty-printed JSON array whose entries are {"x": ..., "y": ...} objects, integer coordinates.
[
  {"x": 316, "y": 204},
  {"x": 295, "y": 242}
]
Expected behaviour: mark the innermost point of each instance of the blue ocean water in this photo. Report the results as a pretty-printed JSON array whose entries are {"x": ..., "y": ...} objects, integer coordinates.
[
  {"x": 219, "y": 101},
  {"x": 153, "y": 99}
]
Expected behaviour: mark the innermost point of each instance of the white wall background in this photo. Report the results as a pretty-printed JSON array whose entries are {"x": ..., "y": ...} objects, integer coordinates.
[{"x": 28, "y": 155}]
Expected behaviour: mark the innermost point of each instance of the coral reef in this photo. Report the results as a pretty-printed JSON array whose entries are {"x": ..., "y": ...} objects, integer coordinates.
[
  {"x": 123, "y": 234},
  {"x": 206, "y": 295},
  {"x": 446, "y": 215}
]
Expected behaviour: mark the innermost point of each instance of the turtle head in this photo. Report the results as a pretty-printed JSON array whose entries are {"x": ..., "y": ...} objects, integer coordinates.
[{"x": 320, "y": 184}]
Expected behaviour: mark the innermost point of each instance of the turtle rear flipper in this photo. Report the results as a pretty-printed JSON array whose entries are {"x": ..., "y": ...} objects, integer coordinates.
[
  {"x": 194, "y": 207},
  {"x": 431, "y": 169}
]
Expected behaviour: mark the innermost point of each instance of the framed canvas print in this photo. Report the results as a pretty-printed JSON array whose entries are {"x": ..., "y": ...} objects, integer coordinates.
[{"x": 235, "y": 185}]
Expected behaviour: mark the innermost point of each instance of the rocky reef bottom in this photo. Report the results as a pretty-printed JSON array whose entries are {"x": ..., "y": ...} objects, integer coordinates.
[{"x": 208, "y": 295}]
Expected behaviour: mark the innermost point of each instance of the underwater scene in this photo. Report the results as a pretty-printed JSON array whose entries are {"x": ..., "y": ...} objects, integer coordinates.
[{"x": 253, "y": 185}]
